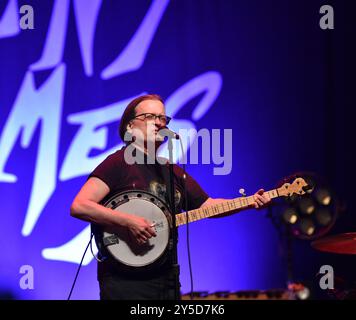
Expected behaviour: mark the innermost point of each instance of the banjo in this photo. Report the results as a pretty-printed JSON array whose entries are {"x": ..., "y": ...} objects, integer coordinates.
[{"x": 135, "y": 257}]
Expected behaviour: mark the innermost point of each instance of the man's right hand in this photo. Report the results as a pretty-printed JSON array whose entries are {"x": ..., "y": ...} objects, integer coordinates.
[{"x": 140, "y": 229}]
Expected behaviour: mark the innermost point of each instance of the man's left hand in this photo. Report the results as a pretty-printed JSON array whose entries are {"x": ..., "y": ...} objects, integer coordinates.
[{"x": 262, "y": 199}]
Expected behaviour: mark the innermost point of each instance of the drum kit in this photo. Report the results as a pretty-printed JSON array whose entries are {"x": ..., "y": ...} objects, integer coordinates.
[
  {"x": 344, "y": 244},
  {"x": 340, "y": 244}
]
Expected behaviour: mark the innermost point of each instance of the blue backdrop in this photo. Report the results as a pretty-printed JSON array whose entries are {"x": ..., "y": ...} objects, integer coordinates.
[{"x": 264, "y": 69}]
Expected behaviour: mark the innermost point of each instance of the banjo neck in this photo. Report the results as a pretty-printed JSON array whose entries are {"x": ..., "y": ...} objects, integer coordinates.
[
  {"x": 299, "y": 186},
  {"x": 216, "y": 209},
  {"x": 134, "y": 257}
]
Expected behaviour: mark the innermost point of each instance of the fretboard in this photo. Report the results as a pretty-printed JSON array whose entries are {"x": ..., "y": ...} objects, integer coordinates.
[{"x": 222, "y": 207}]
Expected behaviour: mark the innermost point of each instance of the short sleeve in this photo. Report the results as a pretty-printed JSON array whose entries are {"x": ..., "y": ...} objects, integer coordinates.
[{"x": 109, "y": 171}]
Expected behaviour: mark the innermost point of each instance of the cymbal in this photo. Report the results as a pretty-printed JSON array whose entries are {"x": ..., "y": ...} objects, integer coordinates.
[{"x": 344, "y": 243}]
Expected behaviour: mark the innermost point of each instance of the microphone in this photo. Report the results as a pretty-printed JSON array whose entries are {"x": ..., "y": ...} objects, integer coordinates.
[{"x": 165, "y": 132}]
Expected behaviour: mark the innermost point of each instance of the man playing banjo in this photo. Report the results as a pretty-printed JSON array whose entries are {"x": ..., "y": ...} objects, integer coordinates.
[{"x": 144, "y": 117}]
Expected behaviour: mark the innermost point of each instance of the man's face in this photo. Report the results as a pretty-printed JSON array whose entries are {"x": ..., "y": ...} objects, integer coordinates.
[{"x": 147, "y": 129}]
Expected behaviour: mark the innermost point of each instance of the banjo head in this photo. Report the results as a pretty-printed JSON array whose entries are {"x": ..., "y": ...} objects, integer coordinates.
[{"x": 122, "y": 247}]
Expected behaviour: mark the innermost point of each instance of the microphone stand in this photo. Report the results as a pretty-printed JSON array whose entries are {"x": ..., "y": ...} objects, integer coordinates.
[
  {"x": 286, "y": 242},
  {"x": 174, "y": 228}
]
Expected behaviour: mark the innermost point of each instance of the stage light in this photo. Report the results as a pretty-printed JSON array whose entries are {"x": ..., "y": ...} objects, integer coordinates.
[
  {"x": 307, "y": 226},
  {"x": 310, "y": 215},
  {"x": 300, "y": 291},
  {"x": 290, "y": 216},
  {"x": 323, "y": 196},
  {"x": 308, "y": 211},
  {"x": 303, "y": 294},
  {"x": 323, "y": 216},
  {"x": 306, "y": 205}
]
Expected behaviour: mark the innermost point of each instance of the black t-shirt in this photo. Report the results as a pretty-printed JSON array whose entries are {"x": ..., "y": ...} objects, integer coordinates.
[{"x": 120, "y": 176}]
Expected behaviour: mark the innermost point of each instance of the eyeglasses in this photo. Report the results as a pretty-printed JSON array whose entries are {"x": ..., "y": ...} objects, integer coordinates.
[{"x": 152, "y": 117}]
